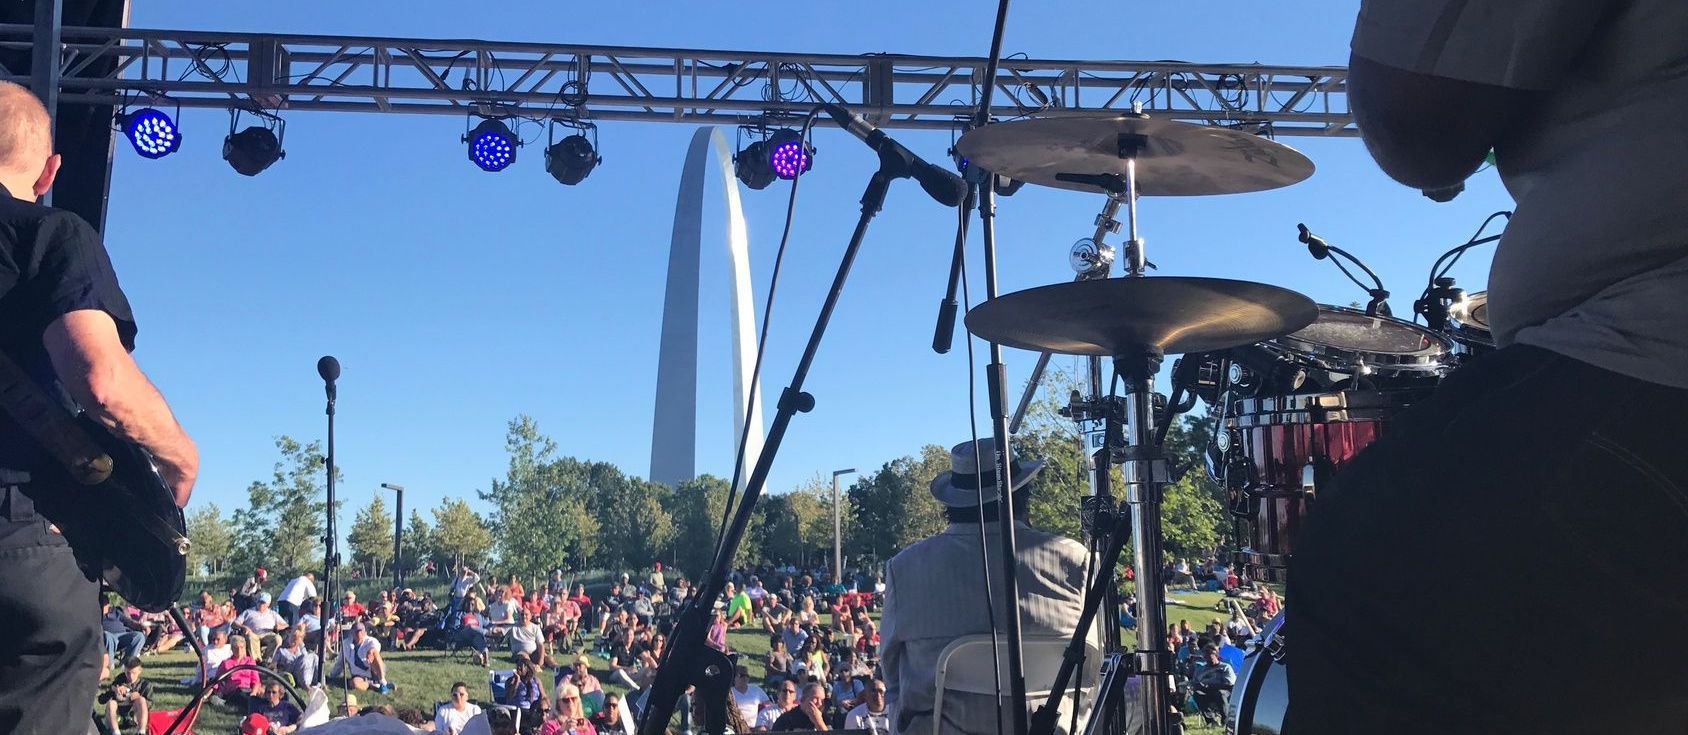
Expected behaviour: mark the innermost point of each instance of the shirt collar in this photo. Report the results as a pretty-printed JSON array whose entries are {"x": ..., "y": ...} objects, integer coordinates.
[{"x": 972, "y": 529}]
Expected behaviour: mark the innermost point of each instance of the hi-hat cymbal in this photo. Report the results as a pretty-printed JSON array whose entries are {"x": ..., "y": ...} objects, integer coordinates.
[
  {"x": 1120, "y": 316},
  {"x": 1173, "y": 158}
]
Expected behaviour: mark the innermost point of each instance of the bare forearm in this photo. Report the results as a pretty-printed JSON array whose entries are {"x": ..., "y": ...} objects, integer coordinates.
[
  {"x": 90, "y": 360},
  {"x": 133, "y": 407}
]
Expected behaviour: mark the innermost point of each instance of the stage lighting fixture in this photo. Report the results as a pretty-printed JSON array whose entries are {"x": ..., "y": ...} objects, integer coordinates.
[
  {"x": 752, "y": 165},
  {"x": 252, "y": 150},
  {"x": 788, "y": 154},
  {"x": 492, "y": 146},
  {"x": 153, "y": 133},
  {"x": 571, "y": 159}
]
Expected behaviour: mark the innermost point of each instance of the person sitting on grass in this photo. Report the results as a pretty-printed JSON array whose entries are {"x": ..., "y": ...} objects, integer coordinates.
[
  {"x": 569, "y": 718},
  {"x": 717, "y": 637},
  {"x": 738, "y": 607},
  {"x": 524, "y": 692},
  {"x": 283, "y": 715},
  {"x": 809, "y": 714},
  {"x": 296, "y": 659},
  {"x": 580, "y": 675},
  {"x": 452, "y": 716},
  {"x": 785, "y": 700},
  {"x": 240, "y": 686},
  {"x": 260, "y": 625},
  {"x": 501, "y": 612},
  {"x": 128, "y": 699},
  {"x": 361, "y": 660},
  {"x": 778, "y": 663},
  {"x": 609, "y": 721},
  {"x": 527, "y": 640}
]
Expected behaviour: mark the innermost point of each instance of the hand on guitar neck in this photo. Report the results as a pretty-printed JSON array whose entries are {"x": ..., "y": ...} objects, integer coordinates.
[{"x": 91, "y": 362}]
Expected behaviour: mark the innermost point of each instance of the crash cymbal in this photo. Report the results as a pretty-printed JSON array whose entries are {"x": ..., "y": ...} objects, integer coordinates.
[
  {"x": 1174, "y": 158},
  {"x": 1120, "y": 316}
]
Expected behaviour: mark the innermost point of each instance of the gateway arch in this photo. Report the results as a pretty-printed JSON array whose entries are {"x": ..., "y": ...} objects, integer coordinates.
[{"x": 674, "y": 429}]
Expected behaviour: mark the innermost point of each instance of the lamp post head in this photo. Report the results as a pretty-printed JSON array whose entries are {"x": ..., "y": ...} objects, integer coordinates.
[{"x": 391, "y": 486}]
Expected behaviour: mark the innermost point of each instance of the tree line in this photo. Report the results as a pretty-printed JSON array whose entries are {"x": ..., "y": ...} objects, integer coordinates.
[{"x": 551, "y": 511}]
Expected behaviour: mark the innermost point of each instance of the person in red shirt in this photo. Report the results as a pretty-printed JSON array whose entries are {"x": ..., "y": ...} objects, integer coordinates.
[
  {"x": 579, "y": 597},
  {"x": 534, "y": 605},
  {"x": 516, "y": 589},
  {"x": 350, "y": 608}
]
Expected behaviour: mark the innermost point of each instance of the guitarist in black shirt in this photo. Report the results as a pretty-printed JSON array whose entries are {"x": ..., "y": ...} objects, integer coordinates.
[{"x": 66, "y": 322}]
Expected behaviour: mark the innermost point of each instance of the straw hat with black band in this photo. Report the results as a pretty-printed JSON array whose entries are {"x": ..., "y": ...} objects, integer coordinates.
[{"x": 960, "y": 486}]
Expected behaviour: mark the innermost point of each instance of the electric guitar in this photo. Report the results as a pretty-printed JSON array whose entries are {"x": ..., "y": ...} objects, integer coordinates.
[{"x": 103, "y": 493}]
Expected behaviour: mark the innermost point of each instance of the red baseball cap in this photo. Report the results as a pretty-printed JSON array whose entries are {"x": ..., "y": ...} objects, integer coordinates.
[{"x": 255, "y": 724}]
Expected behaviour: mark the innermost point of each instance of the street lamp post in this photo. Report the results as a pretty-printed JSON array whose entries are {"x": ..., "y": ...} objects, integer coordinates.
[
  {"x": 398, "y": 535},
  {"x": 837, "y": 531}
]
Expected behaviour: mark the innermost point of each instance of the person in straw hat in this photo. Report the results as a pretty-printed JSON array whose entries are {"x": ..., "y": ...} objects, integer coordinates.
[{"x": 935, "y": 590}]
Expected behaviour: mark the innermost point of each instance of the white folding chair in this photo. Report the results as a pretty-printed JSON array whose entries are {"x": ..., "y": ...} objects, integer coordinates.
[{"x": 965, "y": 666}]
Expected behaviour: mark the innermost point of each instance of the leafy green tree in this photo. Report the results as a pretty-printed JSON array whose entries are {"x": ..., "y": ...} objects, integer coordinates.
[
  {"x": 635, "y": 525},
  {"x": 212, "y": 540},
  {"x": 792, "y": 521},
  {"x": 459, "y": 535},
  {"x": 282, "y": 525},
  {"x": 1191, "y": 520},
  {"x": 418, "y": 547},
  {"x": 697, "y": 508},
  {"x": 894, "y": 507},
  {"x": 371, "y": 537},
  {"x": 539, "y": 507}
]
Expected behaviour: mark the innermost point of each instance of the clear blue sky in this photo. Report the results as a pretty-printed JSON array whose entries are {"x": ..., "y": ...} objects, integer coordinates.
[{"x": 456, "y": 299}]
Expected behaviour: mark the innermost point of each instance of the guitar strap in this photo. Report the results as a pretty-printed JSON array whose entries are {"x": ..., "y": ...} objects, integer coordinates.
[{"x": 53, "y": 428}]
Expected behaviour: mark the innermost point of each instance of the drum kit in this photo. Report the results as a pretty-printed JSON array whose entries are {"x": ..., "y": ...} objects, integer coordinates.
[{"x": 1296, "y": 389}]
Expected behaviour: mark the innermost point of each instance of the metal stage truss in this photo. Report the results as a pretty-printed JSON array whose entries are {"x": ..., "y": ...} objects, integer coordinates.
[{"x": 209, "y": 69}]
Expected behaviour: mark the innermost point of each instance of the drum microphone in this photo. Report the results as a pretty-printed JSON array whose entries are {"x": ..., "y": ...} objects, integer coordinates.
[
  {"x": 1315, "y": 244},
  {"x": 329, "y": 369},
  {"x": 944, "y": 186}
]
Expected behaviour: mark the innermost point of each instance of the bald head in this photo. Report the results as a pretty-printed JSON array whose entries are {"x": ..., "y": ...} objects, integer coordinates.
[{"x": 26, "y": 138}]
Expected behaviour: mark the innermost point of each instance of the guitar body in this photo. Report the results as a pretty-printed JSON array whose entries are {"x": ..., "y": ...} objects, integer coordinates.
[{"x": 126, "y": 529}]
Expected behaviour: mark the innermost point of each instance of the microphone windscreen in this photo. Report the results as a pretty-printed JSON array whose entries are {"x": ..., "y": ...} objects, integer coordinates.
[
  {"x": 947, "y": 188},
  {"x": 328, "y": 368}
]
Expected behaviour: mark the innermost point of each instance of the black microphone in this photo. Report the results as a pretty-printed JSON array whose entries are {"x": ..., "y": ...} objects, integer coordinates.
[
  {"x": 944, "y": 186},
  {"x": 1315, "y": 244},
  {"x": 329, "y": 369}
]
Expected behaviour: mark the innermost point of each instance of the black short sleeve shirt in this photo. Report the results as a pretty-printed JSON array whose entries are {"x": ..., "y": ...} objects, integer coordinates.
[{"x": 51, "y": 263}]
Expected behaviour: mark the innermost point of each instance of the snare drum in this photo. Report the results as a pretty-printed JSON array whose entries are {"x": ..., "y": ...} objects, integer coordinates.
[
  {"x": 1290, "y": 446},
  {"x": 1468, "y": 322},
  {"x": 1350, "y": 342}
]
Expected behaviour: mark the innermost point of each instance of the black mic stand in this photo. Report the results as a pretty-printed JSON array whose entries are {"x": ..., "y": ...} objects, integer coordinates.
[
  {"x": 689, "y": 661},
  {"x": 330, "y": 555}
]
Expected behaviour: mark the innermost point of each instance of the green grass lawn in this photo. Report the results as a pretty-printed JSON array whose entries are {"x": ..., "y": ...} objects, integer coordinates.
[{"x": 425, "y": 677}]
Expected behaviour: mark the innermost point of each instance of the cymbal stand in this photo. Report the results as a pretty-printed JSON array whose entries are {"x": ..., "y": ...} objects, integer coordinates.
[{"x": 1145, "y": 478}]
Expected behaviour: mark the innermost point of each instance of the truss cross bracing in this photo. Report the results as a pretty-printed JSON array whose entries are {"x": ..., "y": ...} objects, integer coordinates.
[{"x": 456, "y": 77}]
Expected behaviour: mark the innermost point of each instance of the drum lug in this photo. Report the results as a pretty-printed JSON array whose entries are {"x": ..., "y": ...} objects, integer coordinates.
[{"x": 1275, "y": 646}]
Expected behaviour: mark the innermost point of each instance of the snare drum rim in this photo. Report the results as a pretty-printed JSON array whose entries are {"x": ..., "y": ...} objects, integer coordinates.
[
  {"x": 1468, "y": 331},
  {"x": 1431, "y": 359}
]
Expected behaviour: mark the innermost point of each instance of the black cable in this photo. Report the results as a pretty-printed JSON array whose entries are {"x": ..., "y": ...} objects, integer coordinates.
[
  {"x": 1344, "y": 269},
  {"x": 1452, "y": 256},
  {"x": 762, "y": 346},
  {"x": 978, "y": 466}
]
